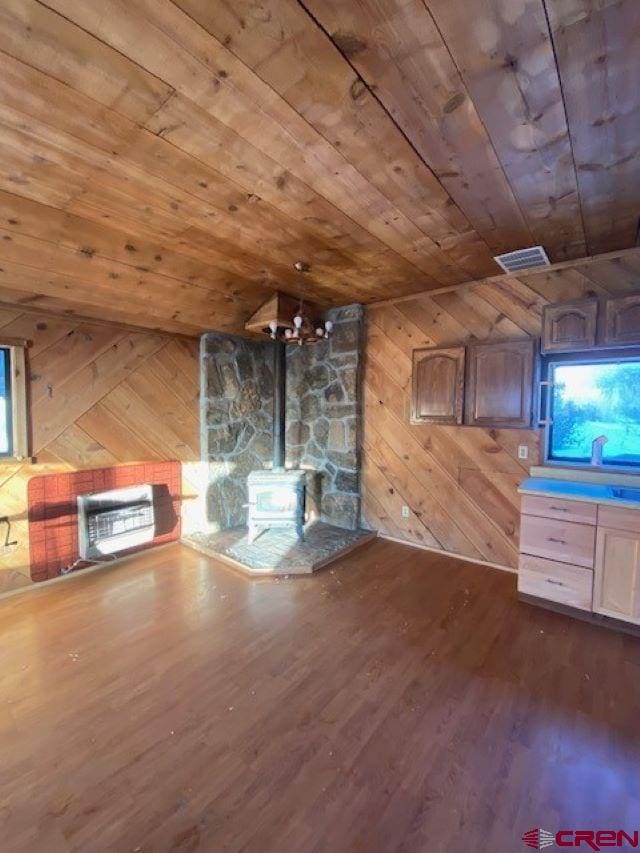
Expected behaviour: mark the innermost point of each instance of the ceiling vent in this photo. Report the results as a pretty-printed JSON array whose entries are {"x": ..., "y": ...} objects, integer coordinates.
[{"x": 523, "y": 259}]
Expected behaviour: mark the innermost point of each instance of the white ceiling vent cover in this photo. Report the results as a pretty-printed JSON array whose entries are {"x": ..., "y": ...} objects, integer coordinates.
[{"x": 523, "y": 259}]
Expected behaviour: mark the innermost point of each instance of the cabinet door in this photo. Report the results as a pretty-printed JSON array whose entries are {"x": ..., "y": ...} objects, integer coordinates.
[
  {"x": 622, "y": 321},
  {"x": 570, "y": 326},
  {"x": 437, "y": 386},
  {"x": 616, "y": 590},
  {"x": 500, "y": 384}
]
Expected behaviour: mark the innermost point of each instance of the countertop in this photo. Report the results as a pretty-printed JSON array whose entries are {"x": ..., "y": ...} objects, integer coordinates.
[{"x": 577, "y": 491}]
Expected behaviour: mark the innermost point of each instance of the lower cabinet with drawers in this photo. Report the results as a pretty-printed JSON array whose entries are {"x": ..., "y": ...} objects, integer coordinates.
[{"x": 581, "y": 555}]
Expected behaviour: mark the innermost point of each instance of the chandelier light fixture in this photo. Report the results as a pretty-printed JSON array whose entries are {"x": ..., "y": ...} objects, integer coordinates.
[{"x": 302, "y": 329}]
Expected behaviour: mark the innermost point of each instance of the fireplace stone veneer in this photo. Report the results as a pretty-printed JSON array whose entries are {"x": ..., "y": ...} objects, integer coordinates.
[{"x": 323, "y": 420}]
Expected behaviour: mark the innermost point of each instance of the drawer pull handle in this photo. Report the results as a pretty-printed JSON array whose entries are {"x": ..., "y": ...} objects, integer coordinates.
[
  {"x": 559, "y": 508},
  {"x": 555, "y": 583},
  {"x": 558, "y": 541}
]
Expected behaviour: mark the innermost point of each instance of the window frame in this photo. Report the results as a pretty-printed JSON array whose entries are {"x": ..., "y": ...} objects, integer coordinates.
[
  {"x": 18, "y": 411},
  {"x": 629, "y": 354}
]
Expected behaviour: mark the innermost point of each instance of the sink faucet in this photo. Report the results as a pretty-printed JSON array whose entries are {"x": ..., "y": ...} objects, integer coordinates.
[{"x": 596, "y": 449}]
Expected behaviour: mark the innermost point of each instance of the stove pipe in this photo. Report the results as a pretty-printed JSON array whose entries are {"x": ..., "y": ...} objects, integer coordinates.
[{"x": 279, "y": 402}]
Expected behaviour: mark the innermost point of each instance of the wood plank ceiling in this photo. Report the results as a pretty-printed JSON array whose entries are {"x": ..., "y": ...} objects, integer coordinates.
[{"x": 164, "y": 163}]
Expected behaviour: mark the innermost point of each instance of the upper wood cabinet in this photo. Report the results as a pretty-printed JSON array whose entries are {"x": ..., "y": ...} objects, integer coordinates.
[
  {"x": 570, "y": 326},
  {"x": 499, "y": 390},
  {"x": 622, "y": 321},
  {"x": 437, "y": 386},
  {"x": 591, "y": 324}
]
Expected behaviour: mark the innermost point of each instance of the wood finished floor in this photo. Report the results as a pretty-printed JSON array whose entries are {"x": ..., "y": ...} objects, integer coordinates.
[{"x": 402, "y": 701}]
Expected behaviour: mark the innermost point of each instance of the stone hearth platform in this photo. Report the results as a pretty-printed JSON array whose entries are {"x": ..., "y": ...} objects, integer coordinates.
[{"x": 278, "y": 551}]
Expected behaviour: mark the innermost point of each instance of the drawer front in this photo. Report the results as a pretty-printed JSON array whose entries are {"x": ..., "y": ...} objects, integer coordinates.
[
  {"x": 559, "y": 582},
  {"x": 584, "y": 513},
  {"x": 564, "y": 541},
  {"x": 619, "y": 517}
]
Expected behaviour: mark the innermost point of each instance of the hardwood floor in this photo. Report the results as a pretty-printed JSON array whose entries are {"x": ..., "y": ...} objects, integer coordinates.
[{"x": 401, "y": 701}]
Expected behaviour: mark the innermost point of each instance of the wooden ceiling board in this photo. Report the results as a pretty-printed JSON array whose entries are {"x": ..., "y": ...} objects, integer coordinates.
[
  {"x": 165, "y": 41},
  {"x": 398, "y": 50},
  {"x": 163, "y": 163},
  {"x": 597, "y": 43},
  {"x": 287, "y": 50},
  {"x": 505, "y": 56}
]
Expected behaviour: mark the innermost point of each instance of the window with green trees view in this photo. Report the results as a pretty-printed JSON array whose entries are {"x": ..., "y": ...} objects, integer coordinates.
[
  {"x": 6, "y": 439},
  {"x": 593, "y": 399}
]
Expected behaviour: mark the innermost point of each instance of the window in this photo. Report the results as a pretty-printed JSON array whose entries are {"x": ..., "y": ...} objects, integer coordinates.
[
  {"x": 6, "y": 427},
  {"x": 591, "y": 398},
  {"x": 13, "y": 406}
]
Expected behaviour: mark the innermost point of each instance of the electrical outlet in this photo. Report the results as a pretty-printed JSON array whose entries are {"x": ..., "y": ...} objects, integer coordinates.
[
  {"x": 523, "y": 451},
  {"x": 405, "y": 511}
]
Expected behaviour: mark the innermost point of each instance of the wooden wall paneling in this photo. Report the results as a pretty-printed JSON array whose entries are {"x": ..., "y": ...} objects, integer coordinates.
[
  {"x": 167, "y": 404},
  {"x": 396, "y": 485},
  {"x": 401, "y": 330},
  {"x": 78, "y": 449},
  {"x": 8, "y": 315},
  {"x": 125, "y": 404},
  {"x": 435, "y": 458},
  {"x": 75, "y": 396},
  {"x": 73, "y": 352},
  {"x": 398, "y": 50},
  {"x": 41, "y": 332},
  {"x": 475, "y": 316},
  {"x": 565, "y": 285},
  {"x": 114, "y": 428},
  {"x": 511, "y": 74},
  {"x": 513, "y": 298},
  {"x": 438, "y": 325},
  {"x": 599, "y": 62},
  {"x": 617, "y": 274},
  {"x": 129, "y": 401},
  {"x": 483, "y": 463},
  {"x": 429, "y": 522}
]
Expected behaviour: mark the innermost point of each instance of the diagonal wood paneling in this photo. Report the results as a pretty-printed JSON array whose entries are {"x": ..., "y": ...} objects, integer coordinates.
[
  {"x": 99, "y": 396},
  {"x": 459, "y": 482}
]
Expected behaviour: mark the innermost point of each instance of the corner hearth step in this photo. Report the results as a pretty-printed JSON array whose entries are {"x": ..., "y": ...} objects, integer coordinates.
[{"x": 279, "y": 551}]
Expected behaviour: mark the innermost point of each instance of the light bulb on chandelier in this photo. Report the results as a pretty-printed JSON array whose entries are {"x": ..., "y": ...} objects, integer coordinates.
[{"x": 303, "y": 329}]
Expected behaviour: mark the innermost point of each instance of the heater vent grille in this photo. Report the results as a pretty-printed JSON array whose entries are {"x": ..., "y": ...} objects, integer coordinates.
[{"x": 523, "y": 259}]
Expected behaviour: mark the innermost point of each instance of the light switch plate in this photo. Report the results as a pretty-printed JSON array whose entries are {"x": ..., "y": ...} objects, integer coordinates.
[
  {"x": 523, "y": 451},
  {"x": 405, "y": 511}
]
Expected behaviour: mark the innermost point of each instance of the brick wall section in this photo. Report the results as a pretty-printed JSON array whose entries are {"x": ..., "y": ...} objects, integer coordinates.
[{"x": 53, "y": 515}]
